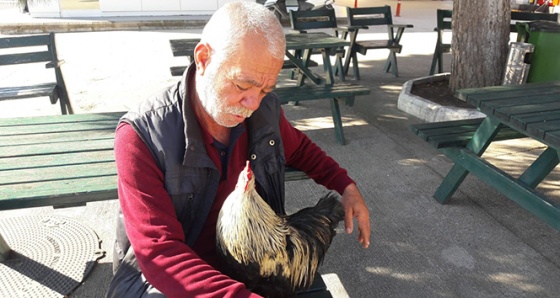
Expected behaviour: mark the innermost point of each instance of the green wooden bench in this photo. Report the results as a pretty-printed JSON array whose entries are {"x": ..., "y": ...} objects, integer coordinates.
[
  {"x": 333, "y": 92},
  {"x": 32, "y": 50},
  {"x": 456, "y": 133},
  {"x": 444, "y": 23},
  {"x": 363, "y": 18},
  {"x": 62, "y": 161},
  {"x": 185, "y": 48},
  {"x": 309, "y": 20}
]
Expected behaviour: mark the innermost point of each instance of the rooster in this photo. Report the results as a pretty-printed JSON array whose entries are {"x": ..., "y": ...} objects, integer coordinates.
[{"x": 274, "y": 255}]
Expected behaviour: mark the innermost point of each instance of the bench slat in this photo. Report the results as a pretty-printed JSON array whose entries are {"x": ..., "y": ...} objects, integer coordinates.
[
  {"x": 183, "y": 47},
  {"x": 47, "y": 89},
  {"x": 58, "y": 148},
  {"x": 177, "y": 70},
  {"x": 364, "y": 45},
  {"x": 24, "y": 41},
  {"x": 521, "y": 121},
  {"x": 504, "y": 113},
  {"x": 553, "y": 137},
  {"x": 58, "y": 137},
  {"x": 59, "y": 193},
  {"x": 56, "y": 127},
  {"x": 541, "y": 129},
  {"x": 22, "y": 58},
  {"x": 456, "y": 133},
  {"x": 80, "y": 118},
  {"x": 54, "y": 160},
  {"x": 63, "y": 172}
]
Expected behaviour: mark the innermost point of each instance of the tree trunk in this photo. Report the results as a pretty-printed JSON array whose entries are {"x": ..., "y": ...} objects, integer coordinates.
[{"x": 479, "y": 43}]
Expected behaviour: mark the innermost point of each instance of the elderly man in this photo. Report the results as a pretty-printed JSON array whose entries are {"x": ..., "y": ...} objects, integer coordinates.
[{"x": 180, "y": 152}]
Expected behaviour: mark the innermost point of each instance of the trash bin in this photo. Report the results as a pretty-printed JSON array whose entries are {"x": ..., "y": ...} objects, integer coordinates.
[{"x": 545, "y": 36}]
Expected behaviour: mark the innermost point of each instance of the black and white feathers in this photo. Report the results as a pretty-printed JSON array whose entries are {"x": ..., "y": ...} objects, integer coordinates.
[{"x": 273, "y": 255}]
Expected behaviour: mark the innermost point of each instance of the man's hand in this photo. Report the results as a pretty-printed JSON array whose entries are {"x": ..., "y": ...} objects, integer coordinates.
[{"x": 355, "y": 207}]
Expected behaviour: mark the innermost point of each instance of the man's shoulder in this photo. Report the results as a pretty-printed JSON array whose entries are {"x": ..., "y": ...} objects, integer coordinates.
[{"x": 162, "y": 101}]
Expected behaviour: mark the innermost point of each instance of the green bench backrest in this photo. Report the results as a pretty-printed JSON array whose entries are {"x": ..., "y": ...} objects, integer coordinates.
[
  {"x": 27, "y": 57},
  {"x": 312, "y": 19},
  {"x": 369, "y": 16},
  {"x": 444, "y": 18}
]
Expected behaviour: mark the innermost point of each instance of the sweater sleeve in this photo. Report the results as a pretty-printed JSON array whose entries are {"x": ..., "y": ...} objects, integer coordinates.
[
  {"x": 154, "y": 231},
  {"x": 301, "y": 153}
]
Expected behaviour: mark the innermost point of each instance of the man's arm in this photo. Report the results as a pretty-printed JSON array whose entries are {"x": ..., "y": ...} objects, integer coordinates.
[
  {"x": 154, "y": 231},
  {"x": 303, "y": 154}
]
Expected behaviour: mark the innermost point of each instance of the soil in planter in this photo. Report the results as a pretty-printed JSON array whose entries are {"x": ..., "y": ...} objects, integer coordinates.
[{"x": 439, "y": 93}]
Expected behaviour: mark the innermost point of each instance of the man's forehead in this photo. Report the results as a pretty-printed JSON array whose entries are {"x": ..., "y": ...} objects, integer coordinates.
[{"x": 258, "y": 76}]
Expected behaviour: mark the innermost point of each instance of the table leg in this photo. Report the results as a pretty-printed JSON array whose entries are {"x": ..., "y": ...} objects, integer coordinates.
[
  {"x": 477, "y": 145},
  {"x": 520, "y": 193},
  {"x": 4, "y": 249},
  {"x": 539, "y": 169},
  {"x": 450, "y": 183},
  {"x": 306, "y": 72},
  {"x": 337, "y": 119},
  {"x": 391, "y": 64},
  {"x": 300, "y": 64},
  {"x": 352, "y": 55},
  {"x": 328, "y": 67}
]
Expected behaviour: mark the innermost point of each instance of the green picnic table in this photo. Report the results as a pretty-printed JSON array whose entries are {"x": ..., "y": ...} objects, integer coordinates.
[{"x": 514, "y": 111}]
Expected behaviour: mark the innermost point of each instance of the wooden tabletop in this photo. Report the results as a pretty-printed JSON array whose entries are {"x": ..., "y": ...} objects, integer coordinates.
[
  {"x": 315, "y": 40},
  {"x": 532, "y": 109},
  {"x": 57, "y": 160},
  {"x": 294, "y": 41}
]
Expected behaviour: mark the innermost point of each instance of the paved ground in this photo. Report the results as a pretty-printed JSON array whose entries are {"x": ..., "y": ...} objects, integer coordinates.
[{"x": 478, "y": 245}]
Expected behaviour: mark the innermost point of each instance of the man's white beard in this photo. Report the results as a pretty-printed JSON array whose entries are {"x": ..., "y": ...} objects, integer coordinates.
[{"x": 216, "y": 107}]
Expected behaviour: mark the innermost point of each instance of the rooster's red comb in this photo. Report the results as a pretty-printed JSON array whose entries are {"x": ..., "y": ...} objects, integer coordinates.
[
  {"x": 249, "y": 175},
  {"x": 249, "y": 172}
]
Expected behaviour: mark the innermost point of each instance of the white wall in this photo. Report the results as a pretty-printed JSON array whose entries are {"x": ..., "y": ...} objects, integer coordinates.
[{"x": 161, "y": 7}]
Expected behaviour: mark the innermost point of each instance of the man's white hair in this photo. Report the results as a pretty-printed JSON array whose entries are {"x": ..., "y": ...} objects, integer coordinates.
[{"x": 232, "y": 22}]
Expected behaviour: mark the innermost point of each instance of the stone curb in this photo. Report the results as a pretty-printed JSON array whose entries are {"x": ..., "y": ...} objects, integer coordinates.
[
  {"x": 87, "y": 26},
  {"x": 428, "y": 110}
]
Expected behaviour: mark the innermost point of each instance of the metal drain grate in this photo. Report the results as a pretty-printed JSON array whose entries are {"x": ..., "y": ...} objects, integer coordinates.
[{"x": 51, "y": 256}]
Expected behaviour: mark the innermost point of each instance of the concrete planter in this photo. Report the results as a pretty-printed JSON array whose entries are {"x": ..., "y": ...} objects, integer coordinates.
[{"x": 428, "y": 110}]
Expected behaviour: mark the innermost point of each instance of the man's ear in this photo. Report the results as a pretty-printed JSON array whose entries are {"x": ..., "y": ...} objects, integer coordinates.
[{"x": 202, "y": 53}]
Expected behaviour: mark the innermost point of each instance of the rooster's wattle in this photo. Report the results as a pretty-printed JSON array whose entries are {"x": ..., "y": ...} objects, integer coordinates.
[{"x": 273, "y": 255}]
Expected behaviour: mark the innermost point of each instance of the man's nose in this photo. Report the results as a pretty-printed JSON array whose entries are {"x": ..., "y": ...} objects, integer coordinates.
[{"x": 252, "y": 101}]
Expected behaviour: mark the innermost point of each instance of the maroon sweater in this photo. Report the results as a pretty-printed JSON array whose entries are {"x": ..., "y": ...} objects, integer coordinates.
[{"x": 156, "y": 235}]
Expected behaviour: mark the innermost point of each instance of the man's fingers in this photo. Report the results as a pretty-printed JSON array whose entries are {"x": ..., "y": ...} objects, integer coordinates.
[{"x": 349, "y": 220}]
